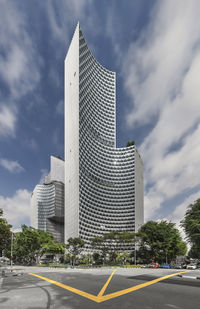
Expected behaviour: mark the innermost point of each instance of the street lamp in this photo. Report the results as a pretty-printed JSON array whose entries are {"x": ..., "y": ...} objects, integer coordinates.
[
  {"x": 135, "y": 249},
  {"x": 11, "y": 252}
]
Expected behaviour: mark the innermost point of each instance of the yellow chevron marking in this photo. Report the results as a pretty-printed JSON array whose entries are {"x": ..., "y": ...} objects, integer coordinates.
[
  {"x": 106, "y": 284},
  {"x": 69, "y": 288},
  {"x": 100, "y": 297},
  {"x": 137, "y": 287}
]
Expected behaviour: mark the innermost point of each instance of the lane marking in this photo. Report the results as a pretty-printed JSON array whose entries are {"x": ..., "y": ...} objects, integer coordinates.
[
  {"x": 100, "y": 297},
  {"x": 69, "y": 288},
  {"x": 138, "y": 287},
  {"x": 106, "y": 284}
]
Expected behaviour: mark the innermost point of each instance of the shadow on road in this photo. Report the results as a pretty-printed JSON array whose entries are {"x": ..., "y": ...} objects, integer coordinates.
[
  {"x": 25, "y": 286},
  {"x": 173, "y": 280}
]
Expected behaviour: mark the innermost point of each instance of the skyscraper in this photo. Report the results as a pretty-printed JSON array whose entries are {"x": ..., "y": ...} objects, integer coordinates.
[
  {"x": 47, "y": 202},
  {"x": 103, "y": 184}
]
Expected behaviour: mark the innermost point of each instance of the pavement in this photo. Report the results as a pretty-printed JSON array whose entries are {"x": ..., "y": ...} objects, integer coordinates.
[{"x": 37, "y": 288}]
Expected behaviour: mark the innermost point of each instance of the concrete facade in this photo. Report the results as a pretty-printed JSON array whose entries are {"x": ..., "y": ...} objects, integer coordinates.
[
  {"x": 72, "y": 139},
  {"x": 103, "y": 184},
  {"x": 57, "y": 170}
]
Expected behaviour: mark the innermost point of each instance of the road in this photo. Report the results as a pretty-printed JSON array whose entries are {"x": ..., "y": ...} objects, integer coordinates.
[{"x": 38, "y": 288}]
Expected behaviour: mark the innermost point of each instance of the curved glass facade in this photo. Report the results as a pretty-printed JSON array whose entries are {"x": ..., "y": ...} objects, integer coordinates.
[
  {"x": 48, "y": 203},
  {"x": 106, "y": 174}
]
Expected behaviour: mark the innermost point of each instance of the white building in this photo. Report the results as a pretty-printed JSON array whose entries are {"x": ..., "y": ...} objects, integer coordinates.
[
  {"x": 47, "y": 201},
  {"x": 103, "y": 184}
]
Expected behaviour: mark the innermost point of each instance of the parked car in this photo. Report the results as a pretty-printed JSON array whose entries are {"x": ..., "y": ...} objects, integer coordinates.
[
  {"x": 167, "y": 266},
  {"x": 191, "y": 266},
  {"x": 179, "y": 266},
  {"x": 153, "y": 265},
  {"x": 44, "y": 261}
]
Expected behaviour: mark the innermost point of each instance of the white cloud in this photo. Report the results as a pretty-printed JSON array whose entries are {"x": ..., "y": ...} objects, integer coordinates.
[
  {"x": 77, "y": 11},
  {"x": 173, "y": 173},
  {"x": 156, "y": 64},
  {"x": 179, "y": 212},
  {"x": 11, "y": 166},
  {"x": 7, "y": 121},
  {"x": 57, "y": 16},
  {"x": 17, "y": 208},
  {"x": 161, "y": 77},
  {"x": 19, "y": 63}
]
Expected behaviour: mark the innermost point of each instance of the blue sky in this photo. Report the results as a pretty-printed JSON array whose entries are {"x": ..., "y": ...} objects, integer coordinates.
[{"x": 154, "y": 47}]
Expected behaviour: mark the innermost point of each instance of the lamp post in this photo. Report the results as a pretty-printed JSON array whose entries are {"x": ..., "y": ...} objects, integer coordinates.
[
  {"x": 11, "y": 253},
  {"x": 103, "y": 228},
  {"x": 135, "y": 251}
]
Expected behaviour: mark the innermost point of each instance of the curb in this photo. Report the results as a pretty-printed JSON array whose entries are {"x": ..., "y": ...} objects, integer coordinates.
[{"x": 189, "y": 277}]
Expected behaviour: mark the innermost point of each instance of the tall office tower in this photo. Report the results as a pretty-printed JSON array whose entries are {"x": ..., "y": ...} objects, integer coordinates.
[
  {"x": 47, "y": 202},
  {"x": 103, "y": 184}
]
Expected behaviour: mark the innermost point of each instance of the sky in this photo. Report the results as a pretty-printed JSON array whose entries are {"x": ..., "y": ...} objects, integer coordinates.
[{"x": 154, "y": 48}]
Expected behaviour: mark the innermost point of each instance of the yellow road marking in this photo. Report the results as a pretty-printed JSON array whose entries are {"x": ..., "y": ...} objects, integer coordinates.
[
  {"x": 69, "y": 288},
  {"x": 106, "y": 284},
  {"x": 100, "y": 297},
  {"x": 137, "y": 287}
]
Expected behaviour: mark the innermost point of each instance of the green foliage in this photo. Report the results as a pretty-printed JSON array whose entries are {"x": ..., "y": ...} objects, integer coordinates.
[
  {"x": 130, "y": 143},
  {"x": 160, "y": 241},
  {"x": 75, "y": 247},
  {"x": 191, "y": 225},
  {"x": 53, "y": 247},
  {"x": 123, "y": 258},
  {"x": 5, "y": 233},
  {"x": 67, "y": 258},
  {"x": 194, "y": 252},
  {"x": 86, "y": 259},
  {"x": 97, "y": 258},
  {"x": 132, "y": 266},
  {"x": 112, "y": 257},
  {"x": 100, "y": 244},
  {"x": 111, "y": 243},
  {"x": 31, "y": 243}
]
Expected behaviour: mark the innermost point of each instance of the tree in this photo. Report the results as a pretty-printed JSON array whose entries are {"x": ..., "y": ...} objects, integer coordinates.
[
  {"x": 5, "y": 233},
  {"x": 75, "y": 247},
  {"x": 86, "y": 259},
  {"x": 99, "y": 243},
  {"x": 160, "y": 241},
  {"x": 53, "y": 247},
  {"x": 97, "y": 258},
  {"x": 112, "y": 243},
  {"x": 112, "y": 240},
  {"x": 130, "y": 143},
  {"x": 123, "y": 257},
  {"x": 191, "y": 225},
  {"x": 30, "y": 244}
]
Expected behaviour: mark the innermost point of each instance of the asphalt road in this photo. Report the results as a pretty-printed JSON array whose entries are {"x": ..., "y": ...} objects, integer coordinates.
[{"x": 126, "y": 288}]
